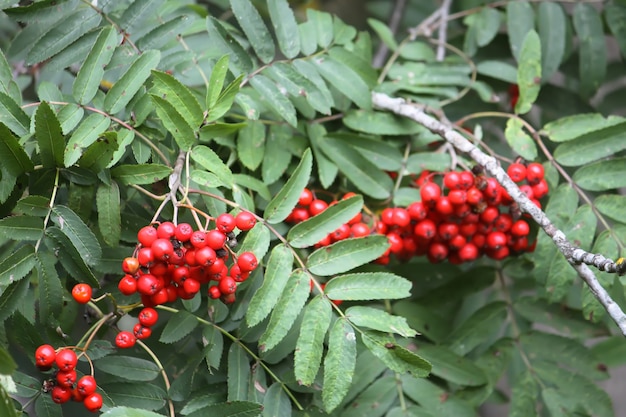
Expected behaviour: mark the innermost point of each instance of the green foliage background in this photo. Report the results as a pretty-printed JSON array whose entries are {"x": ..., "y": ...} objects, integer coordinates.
[{"x": 97, "y": 100}]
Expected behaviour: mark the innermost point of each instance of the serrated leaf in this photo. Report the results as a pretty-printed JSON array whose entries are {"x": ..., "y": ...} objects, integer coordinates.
[
  {"x": 49, "y": 136},
  {"x": 45, "y": 407},
  {"x": 368, "y": 286},
  {"x": 376, "y": 399},
  {"x": 109, "y": 219},
  {"x": 100, "y": 153},
  {"x": 487, "y": 24},
  {"x": 213, "y": 341},
  {"x": 238, "y": 373},
  {"x": 128, "y": 367},
  {"x": 520, "y": 19},
  {"x": 240, "y": 62},
  {"x": 12, "y": 115},
  {"x": 146, "y": 396},
  {"x": 91, "y": 72},
  {"x": 602, "y": 175},
  {"x": 285, "y": 27},
  {"x": 140, "y": 173},
  {"x": 254, "y": 184},
  {"x": 133, "y": 79},
  {"x": 477, "y": 328},
  {"x": 287, "y": 309},
  {"x": 178, "y": 326},
  {"x": 257, "y": 241},
  {"x": 163, "y": 33},
  {"x": 346, "y": 254},
  {"x": 79, "y": 234},
  {"x": 427, "y": 161},
  {"x": 364, "y": 174},
  {"x": 396, "y": 357},
  {"x": 551, "y": 22},
  {"x": 310, "y": 344},
  {"x": 50, "y": 288},
  {"x": 380, "y": 123},
  {"x": 127, "y": 411},
  {"x": 379, "y": 320},
  {"x": 253, "y": 26},
  {"x": 298, "y": 85},
  {"x": 529, "y": 72},
  {"x": 70, "y": 258},
  {"x": 277, "y": 274},
  {"x": 276, "y": 158},
  {"x": 615, "y": 15},
  {"x": 592, "y": 146},
  {"x": 11, "y": 297},
  {"x": 345, "y": 80},
  {"x": 276, "y": 402},
  {"x": 274, "y": 98},
  {"x": 452, "y": 367},
  {"x": 85, "y": 134},
  {"x": 21, "y": 227},
  {"x": 174, "y": 122},
  {"x": 520, "y": 141},
  {"x": 179, "y": 96},
  {"x": 314, "y": 229},
  {"x": 286, "y": 199},
  {"x": 611, "y": 206},
  {"x": 216, "y": 82},
  {"x": 591, "y": 49},
  {"x": 229, "y": 409},
  {"x": 338, "y": 364},
  {"x": 384, "y": 33},
  {"x": 17, "y": 265},
  {"x": 572, "y": 127},
  {"x": 524, "y": 396},
  {"x": 14, "y": 159},
  {"x": 209, "y": 160}
]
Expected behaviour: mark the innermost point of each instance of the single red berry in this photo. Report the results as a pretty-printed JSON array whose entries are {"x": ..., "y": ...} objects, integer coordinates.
[
  {"x": 528, "y": 190},
  {"x": 425, "y": 229},
  {"x": 417, "y": 211},
  {"x": 247, "y": 261},
  {"x": 401, "y": 217},
  {"x": 148, "y": 317},
  {"x": 158, "y": 298},
  {"x": 457, "y": 197},
  {"x": 159, "y": 269},
  {"x": 457, "y": 242},
  {"x": 214, "y": 292},
  {"x": 147, "y": 235},
  {"x": 498, "y": 254},
  {"x": 77, "y": 396},
  {"x": 82, "y": 293},
  {"x": 191, "y": 286},
  {"x": 166, "y": 230},
  {"x": 430, "y": 193},
  {"x": 61, "y": 394},
  {"x": 127, "y": 285},
  {"x": 495, "y": 240},
  {"x": 520, "y": 228},
  {"x": 395, "y": 242},
  {"x": 215, "y": 239},
  {"x": 183, "y": 232},
  {"x": 148, "y": 284},
  {"x": 468, "y": 229},
  {"x": 447, "y": 231},
  {"x": 540, "y": 189},
  {"x": 467, "y": 180},
  {"x": 317, "y": 206},
  {"x": 386, "y": 216},
  {"x": 125, "y": 340},
  {"x": 145, "y": 257},
  {"x": 474, "y": 196},
  {"x": 45, "y": 356},
  {"x": 245, "y": 220},
  {"x": 93, "y": 402},
  {"x": 325, "y": 241},
  {"x": 444, "y": 206},
  {"x": 517, "y": 172},
  {"x": 227, "y": 285},
  {"x": 437, "y": 252},
  {"x": 452, "y": 180},
  {"x": 225, "y": 223},
  {"x": 359, "y": 230},
  {"x": 468, "y": 252},
  {"x": 66, "y": 378},
  {"x": 306, "y": 197},
  {"x": 66, "y": 360},
  {"x": 205, "y": 256},
  {"x": 86, "y": 385},
  {"x": 130, "y": 265},
  {"x": 237, "y": 275},
  {"x": 341, "y": 233},
  {"x": 462, "y": 211},
  {"x": 198, "y": 239},
  {"x": 489, "y": 215},
  {"x": 534, "y": 173},
  {"x": 162, "y": 249},
  {"x": 141, "y": 332},
  {"x": 503, "y": 222}
]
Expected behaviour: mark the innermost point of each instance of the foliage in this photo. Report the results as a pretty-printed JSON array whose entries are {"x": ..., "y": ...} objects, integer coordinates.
[{"x": 114, "y": 115}]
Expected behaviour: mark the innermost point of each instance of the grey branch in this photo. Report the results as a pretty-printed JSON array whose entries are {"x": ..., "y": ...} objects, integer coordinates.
[
  {"x": 443, "y": 29},
  {"x": 576, "y": 256}
]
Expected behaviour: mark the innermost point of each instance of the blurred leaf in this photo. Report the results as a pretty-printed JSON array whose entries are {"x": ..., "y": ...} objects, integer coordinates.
[
  {"x": 91, "y": 73},
  {"x": 227, "y": 409},
  {"x": 344, "y": 79},
  {"x": 140, "y": 173},
  {"x": 339, "y": 364},
  {"x": 253, "y": 184},
  {"x": 277, "y": 274},
  {"x": 174, "y": 122},
  {"x": 135, "y": 14},
  {"x": 286, "y": 199},
  {"x": 592, "y": 146},
  {"x": 145, "y": 396},
  {"x": 45, "y": 407},
  {"x": 427, "y": 161},
  {"x": 484, "y": 322},
  {"x": 253, "y": 26},
  {"x": 519, "y": 140},
  {"x": 70, "y": 258},
  {"x": 591, "y": 49},
  {"x": 380, "y": 320},
  {"x": 368, "y": 286},
  {"x": 127, "y": 411},
  {"x": 524, "y": 395},
  {"x": 6, "y": 403},
  {"x": 611, "y": 205},
  {"x": 218, "y": 76},
  {"x": 612, "y": 351},
  {"x": 163, "y": 33},
  {"x": 208, "y": 159},
  {"x": 356, "y": 63},
  {"x": 276, "y": 158},
  {"x": 520, "y": 19},
  {"x": 434, "y": 401},
  {"x": 238, "y": 373},
  {"x": 11, "y": 297},
  {"x": 85, "y": 134},
  {"x": 78, "y": 233},
  {"x": 314, "y": 229},
  {"x": 17, "y": 265},
  {"x": 396, "y": 357},
  {"x": 128, "y": 367},
  {"x": 49, "y": 136},
  {"x": 276, "y": 402},
  {"x": 487, "y": 24},
  {"x": 615, "y": 16},
  {"x": 380, "y": 123},
  {"x": 572, "y": 127},
  {"x": 323, "y": 23},
  {"x": 274, "y": 98},
  {"x": 344, "y": 255},
  {"x": 50, "y": 287},
  {"x": 310, "y": 345},
  {"x": 423, "y": 319},
  {"x": 133, "y": 79},
  {"x": 285, "y": 27},
  {"x": 384, "y": 33},
  {"x": 178, "y": 326},
  {"x": 383, "y": 154},
  {"x": 602, "y": 175},
  {"x": 21, "y": 227},
  {"x": 452, "y": 367},
  {"x": 287, "y": 309},
  {"x": 179, "y": 96},
  {"x": 551, "y": 22},
  {"x": 240, "y": 61},
  {"x": 529, "y": 72},
  {"x": 497, "y": 69}
]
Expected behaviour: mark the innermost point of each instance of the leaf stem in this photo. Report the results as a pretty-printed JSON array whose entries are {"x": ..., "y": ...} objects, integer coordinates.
[
  {"x": 166, "y": 380},
  {"x": 53, "y": 197}
]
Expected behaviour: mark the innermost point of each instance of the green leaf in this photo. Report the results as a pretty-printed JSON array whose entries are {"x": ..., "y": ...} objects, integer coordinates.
[
  {"x": 339, "y": 364},
  {"x": 591, "y": 48},
  {"x": 109, "y": 218},
  {"x": 487, "y": 24},
  {"x": 214, "y": 346},
  {"x": 229, "y": 409},
  {"x": 140, "y": 173},
  {"x": 323, "y": 23},
  {"x": 384, "y": 33},
  {"x": 70, "y": 258},
  {"x": 286, "y": 199},
  {"x": 452, "y": 367},
  {"x": 592, "y": 146},
  {"x": 158, "y": 37},
  {"x": 209, "y": 160},
  {"x": 178, "y": 326},
  {"x": 376, "y": 399},
  {"x": 572, "y": 127},
  {"x": 276, "y": 158},
  {"x": 427, "y": 161},
  {"x": 21, "y": 227},
  {"x": 314, "y": 229},
  {"x": 146, "y": 396},
  {"x": 251, "y": 144},
  {"x": 552, "y": 26},
  {"x": 380, "y": 123},
  {"x": 50, "y": 287},
  {"x": 382, "y": 153},
  {"x": 277, "y": 274},
  {"x": 274, "y": 98},
  {"x": 380, "y": 320},
  {"x": 17, "y": 265},
  {"x": 499, "y": 70},
  {"x": 240, "y": 62},
  {"x": 298, "y": 85},
  {"x": 174, "y": 122},
  {"x": 368, "y": 286},
  {"x": 218, "y": 130},
  {"x": 6, "y": 403},
  {"x": 529, "y": 72},
  {"x": 346, "y": 254},
  {"x": 179, "y": 96},
  {"x": 12, "y": 115},
  {"x": 100, "y": 154},
  {"x": 45, "y": 407},
  {"x": 238, "y": 373},
  {"x": 133, "y": 79},
  {"x": 359, "y": 170},
  {"x": 310, "y": 344},
  {"x": 615, "y": 15},
  {"x": 253, "y": 26},
  {"x": 11, "y": 297},
  {"x": 128, "y": 367},
  {"x": 611, "y": 206},
  {"x": 276, "y": 402},
  {"x": 524, "y": 395},
  {"x": 602, "y": 175},
  {"x": 49, "y": 136},
  {"x": 344, "y": 79},
  {"x": 78, "y": 233},
  {"x": 287, "y": 309},
  {"x": 91, "y": 73},
  {"x": 486, "y": 321},
  {"x": 127, "y": 411},
  {"x": 216, "y": 82},
  {"x": 520, "y": 19},
  {"x": 254, "y": 184},
  {"x": 396, "y": 357},
  {"x": 85, "y": 134},
  {"x": 285, "y": 27},
  {"x": 257, "y": 241},
  {"x": 14, "y": 159},
  {"x": 519, "y": 140}
]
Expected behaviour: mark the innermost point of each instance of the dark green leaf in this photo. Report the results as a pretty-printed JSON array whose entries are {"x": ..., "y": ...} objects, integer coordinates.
[
  {"x": 375, "y": 400},
  {"x": 552, "y": 25},
  {"x": 310, "y": 345},
  {"x": 214, "y": 346},
  {"x": 70, "y": 258},
  {"x": 145, "y": 396},
  {"x": 238, "y": 373},
  {"x": 50, "y": 287},
  {"x": 174, "y": 122},
  {"x": 611, "y": 206},
  {"x": 486, "y": 321},
  {"x": 133, "y": 79},
  {"x": 520, "y": 141},
  {"x": 109, "y": 219},
  {"x": 78, "y": 233},
  {"x": 127, "y": 411},
  {"x": 524, "y": 396},
  {"x": 91, "y": 72},
  {"x": 179, "y": 96},
  {"x": 228, "y": 409},
  {"x": 21, "y": 227},
  {"x": 346, "y": 254},
  {"x": 344, "y": 79},
  {"x": 85, "y": 134},
  {"x": 6, "y": 403},
  {"x": 208, "y": 159},
  {"x": 45, "y": 407},
  {"x": 14, "y": 159},
  {"x": 592, "y": 48},
  {"x": 452, "y": 367},
  {"x": 429, "y": 395},
  {"x": 314, "y": 229},
  {"x": 240, "y": 61},
  {"x": 286, "y": 199},
  {"x": 128, "y": 367},
  {"x": 285, "y": 27},
  {"x": 396, "y": 357},
  {"x": 380, "y": 320},
  {"x": 49, "y": 136},
  {"x": 339, "y": 364},
  {"x": 253, "y": 26},
  {"x": 218, "y": 75},
  {"x": 274, "y": 98},
  {"x": 368, "y": 286},
  {"x": 11, "y": 297},
  {"x": 572, "y": 127},
  {"x": 17, "y": 265},
  {"x": 612, "y": 351},
  {"x": 529, "y": 72},
  {"x": 276, "y": 403},
  {"x": 615, "y": 15},
  {"x": 140, "y": 174},
  {"x": 602, "y": 175},
  {"x": 592, "y": 146},
  {"x": 100, "y": 153},
  {"x": 178, "y": 326},
  {"x": 520, "y": 19},
  {"x": 163, "y": 33}
]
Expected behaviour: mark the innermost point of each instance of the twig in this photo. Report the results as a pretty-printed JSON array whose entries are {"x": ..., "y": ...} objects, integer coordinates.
[
  {"x": 443, "y": 29},
  {"x": 576, "y": 256},
  {"x": 394, "y": 23}
]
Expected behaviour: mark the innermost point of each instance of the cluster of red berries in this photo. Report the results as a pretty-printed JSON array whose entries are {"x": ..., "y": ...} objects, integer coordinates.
[
  {"x": 64, "y": 386},
  {"x": 173, "y": 261}
]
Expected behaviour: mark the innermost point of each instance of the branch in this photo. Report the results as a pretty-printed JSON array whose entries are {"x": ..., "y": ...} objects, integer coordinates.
[
  {"x": 394, "y": 23},
  {"x": 443, "y": 29},
  {"x": 575, "y": 256}
]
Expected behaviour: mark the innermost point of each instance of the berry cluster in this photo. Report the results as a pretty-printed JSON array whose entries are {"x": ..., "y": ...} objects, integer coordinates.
[
  {"x": 173, "y": 261},
  {"x": 64, "y": 386}
]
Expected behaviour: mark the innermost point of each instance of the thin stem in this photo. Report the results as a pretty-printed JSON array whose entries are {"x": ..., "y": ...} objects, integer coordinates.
[
  {"x": 115, "y": 25},
  {"x": 148, "y": 193},
  {"x": 53, "y": 197},
  {"x": 396, "y": 374},
  {"x": 405, "y": 157},
  {"x": 92, "y": 331},
  {"x": 166, "y": 380},
  {"x": 180, "y": 39},
  {"x": 443, "y": 29},
  {"x": 394, "y": 22}
]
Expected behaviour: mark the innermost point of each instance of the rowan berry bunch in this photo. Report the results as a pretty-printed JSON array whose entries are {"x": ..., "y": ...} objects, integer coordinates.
[
  {"x": 64, "y": 384},
  {"x": 174, "y": 261}
]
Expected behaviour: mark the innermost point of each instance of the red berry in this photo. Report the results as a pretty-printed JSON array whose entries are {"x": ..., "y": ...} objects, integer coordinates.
[
  {"x": 457, "y": 197},
  {"x": 540, "y": 189},
  {"x": 183, "y": 232},
  {"x": 191, "y": 286},
  {"x": 225, "y": 223},
  {"x": 417, "y": 211},
  {"x": 147, "y": 235},
  {"x": 247, "y": 261},
  {"x": 145, "y": 257},
  {"x": 66, "y": 378},
  {"x": 401, "y": 217},
  {"x": 86, "y": 385},
  {"x": 141, "y": 332},
  {"x": 215, "y": 239},
  {"x": 474, "y": 196},
  {"x": 468, "y": 252},
  {"x": 237, "y": 275},
  {"x": 245, "y": 221},
  {"x": 395, "y": 242},
  {"x": 148, "y": 284},
  {"x": 125, "y": 340},
  {"x": 520, "y": 228},
  {"x": 430, "y": 193},
  {"x": 148, "y": 317},
  {"x": 214, "y": 292},
  {"x": 198, "y": 239},
  {"x": 528, "y": 190},
  {"x": 343, "y": 232},
  {"x": 447, "y": 231},
  {"x": 61, "y": 394},
  {"x": 93, "y": 402},
  {"x": 437, "y": 252},
  {"x": 495, "y": 240},
  {"x": 457, "y": 242},
  {"x": 444, "y": 206},
  {"x": 45, "y": 357},
  {"x": 517, "y": 172},
  {"x": 306, "y": 197},
  {"x": 166, "y": 230},
  {"x": 489, "y": 215},
  {"x": 317, "y": 206},
  {"x": 130, "y": 265},
  {"x": 386, "y": 216},
  {"x": 452, "y": 180},
  {"x": 359, "y": 230},
  {"x": 534, "y": 173},
  {"x": 467, "y": 180},
  {"x": 127, "y": 285},
  {"x": 82, "y": 293},
  {"x": 503, "y": 222},
  {"x": 227, "y": 285},
  {"x": 66, "y": 360},
  {"x": 162, "y": 249},
  {"x": 425, "y": 229},
  {"x": 205, "y": 256}
]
